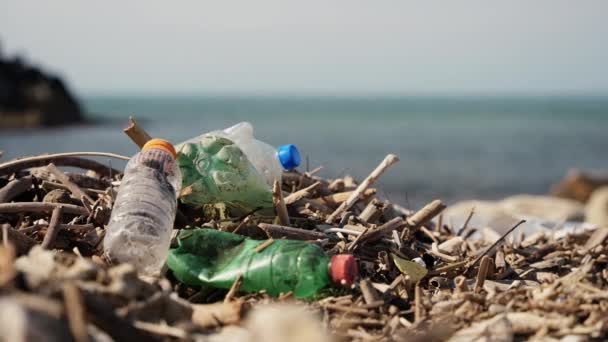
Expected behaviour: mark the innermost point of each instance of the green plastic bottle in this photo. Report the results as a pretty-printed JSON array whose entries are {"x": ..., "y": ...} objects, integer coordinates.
[
  {"x": 207, "y": 257},
  {"x": 215, "y": 170}
]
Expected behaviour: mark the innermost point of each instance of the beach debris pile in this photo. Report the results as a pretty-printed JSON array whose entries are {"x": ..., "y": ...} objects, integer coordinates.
[{"x": 421, "y": 277}]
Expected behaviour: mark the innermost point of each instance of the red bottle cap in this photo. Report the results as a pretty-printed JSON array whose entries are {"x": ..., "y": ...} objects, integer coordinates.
[{"x": 343, "y": 269}]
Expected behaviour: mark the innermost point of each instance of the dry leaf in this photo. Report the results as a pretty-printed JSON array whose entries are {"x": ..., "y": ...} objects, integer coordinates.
[{"x": 414, "y": 270}]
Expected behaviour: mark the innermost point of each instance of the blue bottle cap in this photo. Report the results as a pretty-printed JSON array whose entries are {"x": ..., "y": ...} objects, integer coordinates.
[{"x": 289, "y": 157}]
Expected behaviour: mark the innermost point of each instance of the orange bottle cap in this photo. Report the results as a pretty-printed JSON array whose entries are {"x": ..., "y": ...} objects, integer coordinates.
[{"x": 160, "y": 144}]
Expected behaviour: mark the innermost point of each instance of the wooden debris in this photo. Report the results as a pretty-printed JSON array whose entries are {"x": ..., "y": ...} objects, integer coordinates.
[
  {"x": 62, "y": 159},
  {"x": 338, "y": 198},
  {"x": 349, "y": 309},
  {"x": 22, "y": 243},
  {"x": 390, "y": 160},
  {"x": 15, "y": 188},
  {"x": 385, "y": 229},
  {"x": 496, "y": 243},
  {"x": 304, "y": 193},
  {"x": 597, "y": 238},
  {"x": 538, "y": 287},
  {"x": 280, "y": 204},
  {"x": 372, "y": 211},
  {"x": 419, "y": 309},
  {"x": 75, "y": 312},
  {"x": 53, "y": 229},
  {"x": 277, "y": 231},
  {"x": 370, "y": 295},
  {"x": 482, "y": 273},
  {"x": 423, "y": 216},
  {"x": 235, "y": 288},
  {"x": 7, "y": 258},
  {"x": 74, "y": 189},
  {"x": 137, "y": 134},
  {"x": 37, "y": 207},
  {"x": 261, "y": 247},
  {"x": 215, "y": 315}
]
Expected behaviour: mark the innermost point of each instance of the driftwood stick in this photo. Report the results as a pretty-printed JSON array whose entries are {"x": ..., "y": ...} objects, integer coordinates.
[
  {"x": 136, "y": 133},
  {"x": 15, "y": 188},
  {"x": 218, "y": 314},
  {"x": 351, "y": 246},
  {"x": 53, "y": 230},
  {"x": 419, "y": 310},
  {"x": 48, "y": 185},
  {"x": 74, "y": 189},
  {"x": 482, "y": 273},
  {"x": 316, "y": 206},
  {"x": 41, "y": 207},
  {"x": 101, "y": 313},
  {"x": 304, "y": 193},
  {"x": 372, "y": 211},
  {"x": 85, "y": 181},
  {"x": 62, "y": 159},
  {"x": 74, "y": 309},
  {"x": 338, "y": 198},
  {"x": 349, "y": 309},
  {"x": 162, "y": 330},
  {"x": 596, "y": 239},
  {"x": 495, "y": 243},
  {"x": 378, "y": 233},
  {"x": 448, "y": 267},
  {"x": 390, "y": 160},
  {"x": 422, "y": 216},
  {"x": 7, "y": 266},
  {"x": 435, "y": 251},
  {"x": 439, "y": 222},
  {"x": 313, "y": 171},
  {"x": 337, "y": 185},
  {"x": 461, "y": 285},
  {"x": 466, "y": 222},
  {"x": 279, "y": 204},
  {"x": 5, "y": 227},
  {"x": 243, "y": 223},
  {"x": 77, "y": 228},
  {"x": 263, "y": 246},
  {"x": 294, "y": 178},
  {"x": 20, "y": 241},
  {"x": 370, "y": 294},
  {"x": 236, "y": 286},
  {"x": 276, "y": 231}
]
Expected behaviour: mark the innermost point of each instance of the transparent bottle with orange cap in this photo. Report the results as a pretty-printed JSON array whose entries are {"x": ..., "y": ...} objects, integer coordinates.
[{"x": 142, "y": 218}]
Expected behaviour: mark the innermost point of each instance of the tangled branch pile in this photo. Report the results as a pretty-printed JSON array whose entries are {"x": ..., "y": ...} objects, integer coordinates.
[{"x": 56, "y": 284}]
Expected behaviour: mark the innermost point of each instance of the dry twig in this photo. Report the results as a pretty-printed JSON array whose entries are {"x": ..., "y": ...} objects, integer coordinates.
[{"x": 390, "y": 160}]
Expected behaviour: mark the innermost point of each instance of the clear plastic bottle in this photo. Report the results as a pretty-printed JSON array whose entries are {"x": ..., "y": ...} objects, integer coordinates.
[
  {"x": 142, "y": 219},
  {"x": 267, "y": 160},
  {"x": 215, "y": 170}
]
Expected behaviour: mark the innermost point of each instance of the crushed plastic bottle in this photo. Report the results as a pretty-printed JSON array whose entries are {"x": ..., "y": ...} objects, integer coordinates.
[
  {"x": 142, "y": 219},
  {"x": 215, "y": 170},
  {"x": 207, "y": 257},
  {"x": 267, "y": 160}
]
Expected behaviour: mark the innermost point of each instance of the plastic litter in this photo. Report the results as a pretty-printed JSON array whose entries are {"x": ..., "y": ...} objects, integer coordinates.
[
  {"x": 215, "y": 170},
  {"x": 142, "y": 219},
  {"x": 207, "y": 257},
  {"x": 267, "y": 160}
]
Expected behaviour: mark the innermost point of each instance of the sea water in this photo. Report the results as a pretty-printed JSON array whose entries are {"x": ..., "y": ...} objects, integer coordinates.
[{"x": 450, "y": 147}]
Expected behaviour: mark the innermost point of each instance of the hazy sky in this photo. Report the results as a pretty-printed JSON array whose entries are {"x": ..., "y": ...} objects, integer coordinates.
[{"x": 314, "y": 46}]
